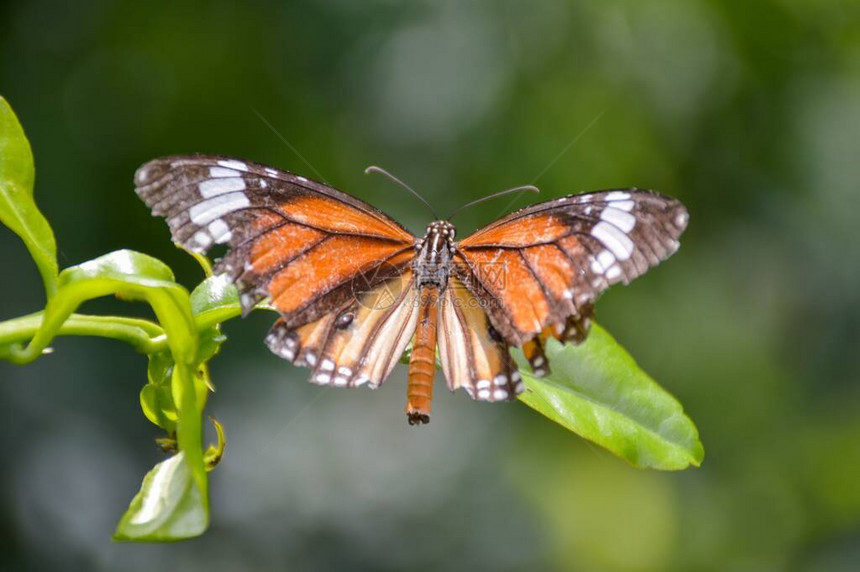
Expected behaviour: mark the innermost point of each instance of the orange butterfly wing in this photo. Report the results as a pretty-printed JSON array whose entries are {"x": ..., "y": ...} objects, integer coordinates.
[
  {"x": 297, "y": 241},
  {"x": 360, "y": 342},
  {"x": 538, "y": 271}
]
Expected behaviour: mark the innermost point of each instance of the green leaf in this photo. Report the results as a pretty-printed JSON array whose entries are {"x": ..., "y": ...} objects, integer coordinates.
[
  {"x": 167, "y": 507},
  {"x": 597, "y": 391},
  {"x": 215, "y": 300},
  {"x": 127, "y": 266},
  {"x": 156, "y": 401},
  {"x": 18, "y": 208}
]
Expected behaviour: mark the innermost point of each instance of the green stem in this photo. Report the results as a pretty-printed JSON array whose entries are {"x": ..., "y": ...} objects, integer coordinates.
[{"x": 143, "y": 335}]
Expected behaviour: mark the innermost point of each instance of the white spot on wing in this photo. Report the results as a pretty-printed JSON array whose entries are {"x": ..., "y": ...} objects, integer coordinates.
[
  {"x": 233, "y": 164},
  {"x": 216, "y": 187},
  {"x": 202, "y": 239},
  {"x": 605, "y": 259},
  {"x": 613, "y": 239},
  {"x": 220, "y": 231},
  {"x": 287, "y": 354},
  {"x": 622, "y": 219},
  {"x": 613, "y": 272},
  {"x": 217, "y": 172},
  {"x": 618, "y": 196},
  {"x": 208, "y": 210}
]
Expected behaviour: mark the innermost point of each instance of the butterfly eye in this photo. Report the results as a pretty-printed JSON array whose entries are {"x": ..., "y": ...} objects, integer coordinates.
[
  {"x": 344, "y": 320},
  {"x": 494, "y": 334}
]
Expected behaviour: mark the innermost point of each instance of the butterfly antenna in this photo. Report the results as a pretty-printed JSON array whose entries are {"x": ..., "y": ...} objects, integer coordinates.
[
  {"x": 381, "y": 171},
  {"x": 529, "y": 188}
]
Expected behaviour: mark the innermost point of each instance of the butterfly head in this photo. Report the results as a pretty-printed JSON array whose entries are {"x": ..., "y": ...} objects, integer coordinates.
[{"x": 442, "y": 228}]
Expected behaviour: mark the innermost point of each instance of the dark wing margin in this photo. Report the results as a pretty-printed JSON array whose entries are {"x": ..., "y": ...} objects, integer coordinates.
[
  {"x": 295, "y": 240},
  {"x": 538, "y": 271}
]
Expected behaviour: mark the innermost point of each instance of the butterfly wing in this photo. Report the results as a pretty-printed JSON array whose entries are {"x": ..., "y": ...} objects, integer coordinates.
[
  {"x": 297, "y": 241},
  {"x": 323, "y": 258},
  {"x": 473, "y": 356},
  {"x": 361, "y": 342},
  {"x": 539, "y": 270}
]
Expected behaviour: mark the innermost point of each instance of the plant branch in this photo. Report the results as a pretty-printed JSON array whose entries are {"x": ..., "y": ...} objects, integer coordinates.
[{"x": 143, "y": 335}]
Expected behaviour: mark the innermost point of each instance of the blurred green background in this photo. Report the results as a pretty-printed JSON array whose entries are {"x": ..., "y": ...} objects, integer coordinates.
[{"x": 749, "y": 112}]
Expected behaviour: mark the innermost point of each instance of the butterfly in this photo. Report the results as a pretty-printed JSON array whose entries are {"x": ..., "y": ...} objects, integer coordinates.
[{"x": 353, "y": 287}]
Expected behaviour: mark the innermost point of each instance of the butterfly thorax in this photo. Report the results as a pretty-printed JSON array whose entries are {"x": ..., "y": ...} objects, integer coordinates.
[{"x": 433, "y": 261}]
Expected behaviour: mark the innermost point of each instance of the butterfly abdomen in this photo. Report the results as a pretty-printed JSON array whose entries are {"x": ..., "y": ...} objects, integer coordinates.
[{"x": 422, "y": 363}]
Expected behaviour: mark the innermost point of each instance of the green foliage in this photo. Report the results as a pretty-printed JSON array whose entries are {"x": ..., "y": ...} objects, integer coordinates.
[
  {"x": 18, "y": 208},
  {"x": 596, "y": 390},
  {"x": 168, "y": 506}
]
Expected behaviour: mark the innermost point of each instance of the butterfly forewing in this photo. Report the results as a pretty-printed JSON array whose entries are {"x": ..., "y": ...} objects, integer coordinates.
[
  {"x": 537, "y": 267},
  {"x": 298, "y": 241}
]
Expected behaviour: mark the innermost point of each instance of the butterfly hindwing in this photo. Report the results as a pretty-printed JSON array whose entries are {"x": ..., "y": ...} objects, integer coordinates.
[
  {"x": 359, "y": 343},
  {"x": 472, "y": 354}
]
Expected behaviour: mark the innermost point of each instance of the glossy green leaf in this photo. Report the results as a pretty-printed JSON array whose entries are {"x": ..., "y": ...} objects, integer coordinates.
[
  {"x": 597, "y": 391},
  {"x": 18, "y": 208},
  {"x": 214, "y": 301},
  {"x": 168, "y": 506}
]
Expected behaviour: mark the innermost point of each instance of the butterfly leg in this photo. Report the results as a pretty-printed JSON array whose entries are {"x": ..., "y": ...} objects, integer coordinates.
[{"x": 422, "y": 364}]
